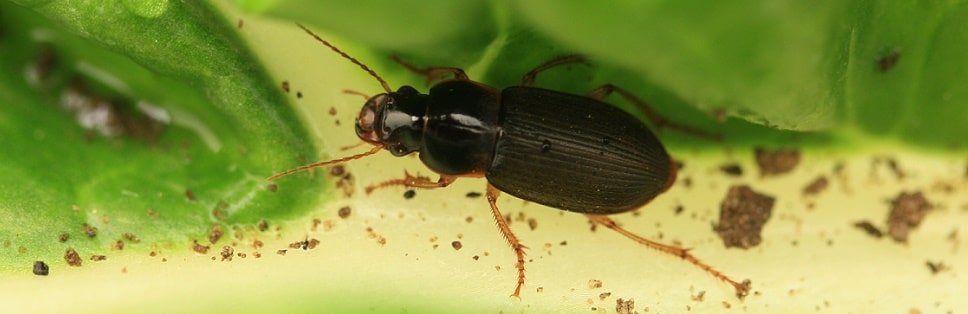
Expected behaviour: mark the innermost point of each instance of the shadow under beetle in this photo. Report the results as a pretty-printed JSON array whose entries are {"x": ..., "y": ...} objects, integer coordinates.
[{"x": 570, "y": 152}]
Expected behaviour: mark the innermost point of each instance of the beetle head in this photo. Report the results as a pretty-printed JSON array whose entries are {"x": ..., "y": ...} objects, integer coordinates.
[
  {"x": 393, "y": 120},
  {"x": 367, "y": 126}
]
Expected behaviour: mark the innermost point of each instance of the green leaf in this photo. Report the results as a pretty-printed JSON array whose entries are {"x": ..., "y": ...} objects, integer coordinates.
[
  {"x": 190, "y": 126},
  {"x": 438, "y": 30},
  {"x": 786, "y": 64}
]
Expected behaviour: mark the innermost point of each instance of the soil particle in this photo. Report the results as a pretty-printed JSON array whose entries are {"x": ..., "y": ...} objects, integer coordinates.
[
  {"x": 72, "y": 258},
  {"x": 41, "y": 268},
  {"x": 226, "y": 253},
  {"x": 907, "y": 211},
  {"x": 202, "y": 249},
  {"x": 215, "y": 233},
  {"x": 776, "y": 162},
  {"x": 344, "y": 212},
  {"x": 818, "y": 185},
  {"x": 733, "y": 169},
  {"x": 625, "y": 306},
  {"x": 131, "y": 237},
  {"x": 742, "y": 216},
  {"x": 869, "y": 228},
  {"x": 89, "y": 230}
]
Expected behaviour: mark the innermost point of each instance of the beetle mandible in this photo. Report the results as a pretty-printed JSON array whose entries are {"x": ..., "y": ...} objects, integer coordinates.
[{"x": 575, "y": 153}]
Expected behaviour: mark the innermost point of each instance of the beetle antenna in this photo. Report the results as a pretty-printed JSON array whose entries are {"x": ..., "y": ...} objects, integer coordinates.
[
  {"x": 340, "y": 52},
  {"x": 372, "y": 151}
]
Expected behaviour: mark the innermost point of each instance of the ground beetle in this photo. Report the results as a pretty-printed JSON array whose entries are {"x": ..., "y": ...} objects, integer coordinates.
[{"x": 565, "y": 151}]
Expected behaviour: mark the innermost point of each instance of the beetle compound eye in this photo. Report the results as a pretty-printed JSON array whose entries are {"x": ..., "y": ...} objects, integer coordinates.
[{"x": 397, "y": 149}]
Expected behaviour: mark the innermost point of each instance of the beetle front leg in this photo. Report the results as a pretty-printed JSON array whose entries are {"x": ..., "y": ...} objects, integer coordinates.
[
  {"x": 432, "y": 73},
  {"x": 742, "y": 289},
  {"x": 415, "y": 182},
  {"x": 502, "y": 223},
  {"x": 660, "y": 122}
]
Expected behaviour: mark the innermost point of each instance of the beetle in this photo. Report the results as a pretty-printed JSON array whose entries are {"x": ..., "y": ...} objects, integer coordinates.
[{"x": 565, "y": 151}]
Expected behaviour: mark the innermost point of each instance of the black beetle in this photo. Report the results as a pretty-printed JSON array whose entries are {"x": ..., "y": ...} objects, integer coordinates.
[{"x": 565, "y": 151}]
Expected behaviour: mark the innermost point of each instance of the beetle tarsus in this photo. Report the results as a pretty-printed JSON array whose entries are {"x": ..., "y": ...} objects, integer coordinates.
[
  {"x": 502, "y": 223},
  {"x": 742, "y": 289}
]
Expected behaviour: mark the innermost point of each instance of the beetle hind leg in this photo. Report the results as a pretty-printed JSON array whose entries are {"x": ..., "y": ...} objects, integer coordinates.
[
  {"x": 742, "y": 288},
  {"x": 502, "y": 223},
  {"x": 660, "y": 122}
]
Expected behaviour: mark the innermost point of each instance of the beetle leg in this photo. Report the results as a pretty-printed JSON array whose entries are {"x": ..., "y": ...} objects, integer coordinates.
[
  {"x": 528, "y": 78},
  {"x": 353, "y": 92},
  {"x": 502, "y": 223},
  {"x": 349, "y": 147},
  {"x": 742, "y": 289},
  {"x": 415, "y": 182},
  {"x": 432, "y": 73},
  {"x": 605, "y": 90}
]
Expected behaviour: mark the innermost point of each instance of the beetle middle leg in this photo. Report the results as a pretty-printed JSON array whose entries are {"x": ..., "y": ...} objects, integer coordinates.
[
  {"x": 502, "y": 223},
  {"x": 605, "y": 90},
  {"x": 413, "y": 182},
  {"x": 432, "y": 73},
  {"x": 528, "y": 78},
  {"x": 742, "y": 289}
]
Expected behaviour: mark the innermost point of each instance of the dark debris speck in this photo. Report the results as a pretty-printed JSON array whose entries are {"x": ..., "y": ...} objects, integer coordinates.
[
  {"x": 344, "y": 212},
  {"x": 869, "y": 228},
  {"x": 733, "y": 169},
  {"x": 41, "y": 268},
  {"x": 818, "y": 185},
  {"x": 89, "y": 230}
]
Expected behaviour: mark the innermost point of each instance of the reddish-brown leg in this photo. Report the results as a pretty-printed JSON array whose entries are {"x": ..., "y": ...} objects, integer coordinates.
[
  {"x": 432, "y": 73},
  {"x": 415, "y": 182},
  {"x": 349, "y": 147},
  {"x": 492, "y": 194},
  {"x": 353, "y": 92},
  {"x": 742, "y": 289},
  {"x": 603, "y": 92},
  {"x": 528, "y": 78}
]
